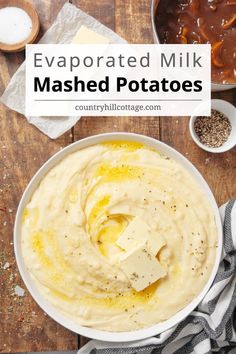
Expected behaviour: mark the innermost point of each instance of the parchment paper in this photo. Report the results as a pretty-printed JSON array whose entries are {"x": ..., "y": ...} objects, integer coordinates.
[{"x": 68, "y": 21}]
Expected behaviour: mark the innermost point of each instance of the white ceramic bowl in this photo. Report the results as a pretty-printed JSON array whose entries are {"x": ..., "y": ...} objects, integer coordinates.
[
  {"x": 224, "y": 107},
  {"x": 49, "y": 308}
]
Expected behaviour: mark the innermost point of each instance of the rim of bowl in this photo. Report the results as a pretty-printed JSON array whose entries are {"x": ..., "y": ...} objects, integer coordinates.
[
  {"x": 156, "y": 37},
  {"x": 230, "y": 142},
  {"x": 57, "y": 315}
]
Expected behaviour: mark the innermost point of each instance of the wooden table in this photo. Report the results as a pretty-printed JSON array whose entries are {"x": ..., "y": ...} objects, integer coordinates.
[{"x": 23, "y": 149}]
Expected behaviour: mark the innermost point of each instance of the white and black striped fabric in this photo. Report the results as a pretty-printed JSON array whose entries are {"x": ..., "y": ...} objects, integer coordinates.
[{"x": 211, "y": 328}]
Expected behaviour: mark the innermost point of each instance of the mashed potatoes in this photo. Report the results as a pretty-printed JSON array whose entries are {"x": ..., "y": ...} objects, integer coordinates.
[{"x": 81, "y": 208}]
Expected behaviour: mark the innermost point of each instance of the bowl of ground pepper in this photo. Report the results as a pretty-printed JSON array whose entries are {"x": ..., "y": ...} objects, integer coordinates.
[{"x": 215, "y": 133}]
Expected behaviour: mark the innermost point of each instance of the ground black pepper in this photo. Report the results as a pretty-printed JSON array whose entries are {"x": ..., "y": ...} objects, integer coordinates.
[{"x": 213, "y": 131}]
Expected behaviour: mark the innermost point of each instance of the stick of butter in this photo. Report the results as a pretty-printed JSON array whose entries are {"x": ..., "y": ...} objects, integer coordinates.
[
  {"x": 141, "y": 267},
  {"x": 87, "y": 36},
  {"x": 138, "y": 232}
]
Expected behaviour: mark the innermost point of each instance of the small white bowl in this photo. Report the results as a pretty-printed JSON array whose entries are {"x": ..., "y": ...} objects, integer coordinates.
[
  {"x": 229, "y": 111},
  {"x": 56, "y": 314}
]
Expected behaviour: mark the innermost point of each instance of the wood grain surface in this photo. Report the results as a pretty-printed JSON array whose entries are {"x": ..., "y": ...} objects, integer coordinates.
[{"x": 23, "y": 325}]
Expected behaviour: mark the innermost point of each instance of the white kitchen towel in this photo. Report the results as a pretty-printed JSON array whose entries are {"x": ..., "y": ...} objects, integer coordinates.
[{"x": 211, "y": 327}]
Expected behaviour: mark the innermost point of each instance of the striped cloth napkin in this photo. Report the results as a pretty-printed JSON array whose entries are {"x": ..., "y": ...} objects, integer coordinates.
[{"x": 211, "y": 327}]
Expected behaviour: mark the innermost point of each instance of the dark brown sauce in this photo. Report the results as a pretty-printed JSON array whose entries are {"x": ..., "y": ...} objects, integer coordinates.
[{"x": 202, "y": 21}]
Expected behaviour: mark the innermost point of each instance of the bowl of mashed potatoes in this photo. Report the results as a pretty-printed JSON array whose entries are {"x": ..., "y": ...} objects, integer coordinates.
[{"x": 118, "y": 237}]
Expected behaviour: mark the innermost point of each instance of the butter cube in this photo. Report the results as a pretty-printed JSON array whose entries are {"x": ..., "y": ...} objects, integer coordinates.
[
  {"x": 87, "y": 36},
  {"x": 141, "y": 267},
  {"x": 138, "y": 232}
]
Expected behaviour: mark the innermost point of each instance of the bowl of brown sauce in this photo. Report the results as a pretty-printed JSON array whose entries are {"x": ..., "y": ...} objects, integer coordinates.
[{"x": 200, "y": 22}]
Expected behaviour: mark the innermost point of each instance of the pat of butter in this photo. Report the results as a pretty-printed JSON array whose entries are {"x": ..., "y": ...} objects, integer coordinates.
[
  {"x": 138, "y": 232},
  {"x": 141, "y": 267},
  {"x": 87, "y": 36}
]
